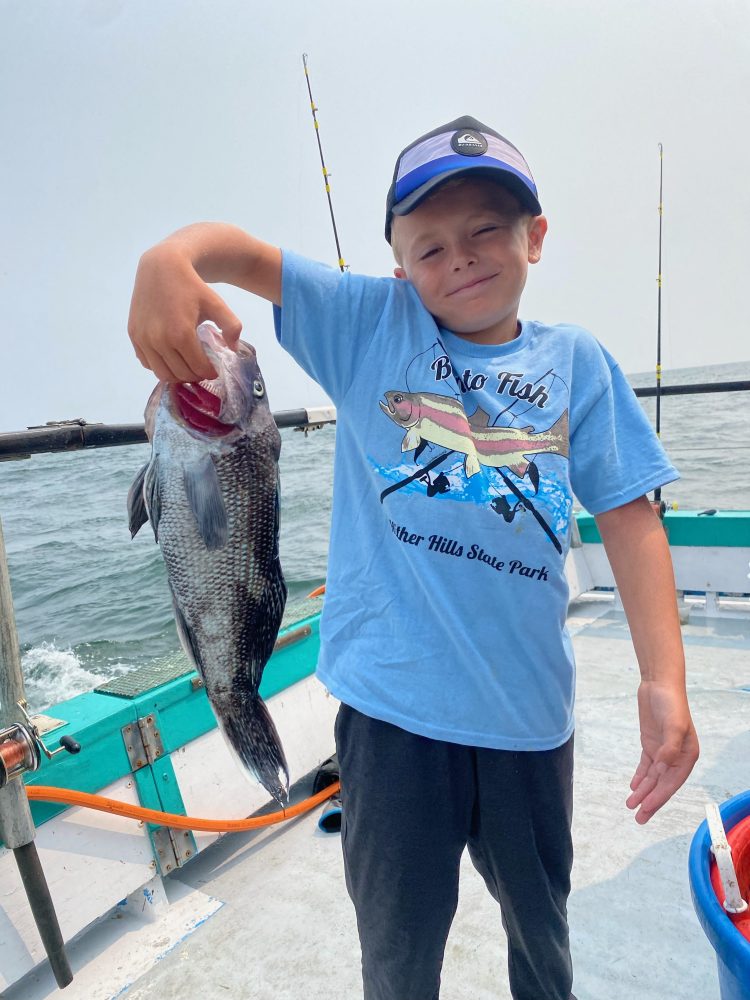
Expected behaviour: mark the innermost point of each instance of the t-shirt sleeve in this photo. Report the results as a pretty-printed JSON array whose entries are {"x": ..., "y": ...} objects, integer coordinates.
[
  {"x": 615, "y": 455},
  {"x": 327, "y": 319}
]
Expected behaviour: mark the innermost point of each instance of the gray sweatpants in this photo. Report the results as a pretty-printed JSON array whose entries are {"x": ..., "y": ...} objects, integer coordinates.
[{"x": 410, "y": 807}]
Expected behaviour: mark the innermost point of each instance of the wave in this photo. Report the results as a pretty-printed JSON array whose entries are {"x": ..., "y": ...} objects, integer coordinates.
[{"x": 52, "y": 675}]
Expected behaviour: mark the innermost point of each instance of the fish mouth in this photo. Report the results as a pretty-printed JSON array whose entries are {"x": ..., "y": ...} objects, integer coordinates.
[
  {"x": 200, "y": 407},
  {"x": 392, "y": 399}
]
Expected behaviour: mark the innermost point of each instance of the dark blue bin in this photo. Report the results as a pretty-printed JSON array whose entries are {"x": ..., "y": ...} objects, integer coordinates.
[{"x": 732, "y": 949}]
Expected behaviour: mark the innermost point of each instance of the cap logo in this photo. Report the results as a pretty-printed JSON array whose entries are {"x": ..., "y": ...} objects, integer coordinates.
[{"x": 469, "y": 143}]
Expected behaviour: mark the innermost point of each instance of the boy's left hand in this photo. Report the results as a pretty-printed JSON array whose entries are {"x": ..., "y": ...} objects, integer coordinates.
[
  {"x": 669, "y": 747},
  {"x": 634, "y": 538}
]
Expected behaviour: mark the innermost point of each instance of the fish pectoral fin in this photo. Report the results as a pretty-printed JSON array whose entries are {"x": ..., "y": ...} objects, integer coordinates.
[
  {"x": 471, "y": 465},
  {"x": 412, "y": 439},
  {"x": 152, "y": 496},
  {"x": 206, "y": 502},
  {"x": 137, "y": 513}
]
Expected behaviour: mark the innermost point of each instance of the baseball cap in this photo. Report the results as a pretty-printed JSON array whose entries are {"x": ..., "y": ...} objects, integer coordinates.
[{"x": 462, "y": 146}]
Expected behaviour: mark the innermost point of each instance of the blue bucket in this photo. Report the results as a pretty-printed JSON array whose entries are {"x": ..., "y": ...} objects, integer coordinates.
[{"x": 732, "y": 949}]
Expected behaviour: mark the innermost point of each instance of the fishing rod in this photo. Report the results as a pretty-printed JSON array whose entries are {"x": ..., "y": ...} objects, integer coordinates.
[
  {"x": 657, "y": 491},
  {"x": 326, "y": 175}
]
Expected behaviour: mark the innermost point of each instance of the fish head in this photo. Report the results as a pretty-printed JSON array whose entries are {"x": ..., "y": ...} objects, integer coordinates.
[
  {"x": 232, "y": 404},
  {"x": 401, "y": 407}
]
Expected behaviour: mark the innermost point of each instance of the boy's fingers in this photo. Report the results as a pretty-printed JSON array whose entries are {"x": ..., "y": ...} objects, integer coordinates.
[
  {"x": 173, "y": 351},
  {"x": 195, "y": 359},
  {"x": 663, "y": 791},
  {"x": 174, "y": 359},
  {"x": 655, "y": 786},
  {"x": 640, "y": 772},
  {"x": 186, "y": 363},
  {"x": 645, "y": 786},
  {"x": 180, "y": 370},
  {"x": 644, "y": 815},
  {"x": 187, "y": 359},
  {"x": 225, "y": 319},
  {"x": 158, "y": 366},
  {"x": 140, "y": 355},
  {"x": 646, "y": 800}
]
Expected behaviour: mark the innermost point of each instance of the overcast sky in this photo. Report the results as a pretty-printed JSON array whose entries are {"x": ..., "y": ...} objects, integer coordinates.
[{"x": 122, "y": 120}]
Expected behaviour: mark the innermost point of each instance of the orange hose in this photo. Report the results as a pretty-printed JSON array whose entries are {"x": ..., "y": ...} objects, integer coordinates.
[{"x": 47, "y": 793}]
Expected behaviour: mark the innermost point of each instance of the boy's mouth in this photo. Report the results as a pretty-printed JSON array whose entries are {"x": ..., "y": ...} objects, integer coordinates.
[{"x": 474, "y": 283}]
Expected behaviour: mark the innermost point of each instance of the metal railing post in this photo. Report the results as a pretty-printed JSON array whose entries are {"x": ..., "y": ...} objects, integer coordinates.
[{"x": 16, "y": 823}]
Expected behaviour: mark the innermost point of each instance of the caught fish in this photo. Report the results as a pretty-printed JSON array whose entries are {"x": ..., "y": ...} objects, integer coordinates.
[
  {"x": 441, "y": 420},
  {"x": 211, "y": 493}
]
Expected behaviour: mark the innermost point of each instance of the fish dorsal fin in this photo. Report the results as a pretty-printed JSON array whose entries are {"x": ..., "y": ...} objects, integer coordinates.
[
  {"x": 206, "y": 502},
  {"x": 479, "y": 419},
  {"x": 137, "y": 513}
]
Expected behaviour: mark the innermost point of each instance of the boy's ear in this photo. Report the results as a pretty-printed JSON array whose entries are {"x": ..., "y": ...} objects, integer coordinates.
[
  {"x": 399, "y": 272},
  {"x": 537, "y": 232}
]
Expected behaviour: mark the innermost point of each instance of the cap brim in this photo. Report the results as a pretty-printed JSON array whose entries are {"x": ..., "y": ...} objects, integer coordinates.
[{"x": 503, "y": 177}]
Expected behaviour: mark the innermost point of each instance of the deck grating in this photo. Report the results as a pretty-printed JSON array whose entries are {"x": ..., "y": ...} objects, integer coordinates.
[{"x": 169, "y": 668}]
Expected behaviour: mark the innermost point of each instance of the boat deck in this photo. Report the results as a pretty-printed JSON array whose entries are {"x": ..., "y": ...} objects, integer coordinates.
[{"x": 265, "y": 915}]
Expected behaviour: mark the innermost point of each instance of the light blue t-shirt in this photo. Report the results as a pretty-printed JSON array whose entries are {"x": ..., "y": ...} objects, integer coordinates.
[{"x": 454, "y": 476}]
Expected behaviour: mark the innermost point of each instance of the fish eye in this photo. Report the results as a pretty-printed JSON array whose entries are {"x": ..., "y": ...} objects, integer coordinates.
[
  {"x": 258, "y": 388},
  {"x": 398, "y": 398}
]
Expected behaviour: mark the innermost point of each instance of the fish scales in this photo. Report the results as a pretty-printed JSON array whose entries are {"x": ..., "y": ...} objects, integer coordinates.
[{"x": 231, "y": 584}]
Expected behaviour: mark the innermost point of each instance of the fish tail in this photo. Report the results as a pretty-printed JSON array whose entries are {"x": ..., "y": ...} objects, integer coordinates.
[
  {"x": 560, "y": 429},
  {"x": 251, "y": 732}
]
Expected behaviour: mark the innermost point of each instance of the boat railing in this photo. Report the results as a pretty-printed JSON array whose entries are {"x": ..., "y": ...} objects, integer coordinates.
[{"x": 74, "y": 435}]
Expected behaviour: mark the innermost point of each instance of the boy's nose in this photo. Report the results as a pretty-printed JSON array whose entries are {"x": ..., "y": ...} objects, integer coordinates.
[{"x": 463, "y": 256}]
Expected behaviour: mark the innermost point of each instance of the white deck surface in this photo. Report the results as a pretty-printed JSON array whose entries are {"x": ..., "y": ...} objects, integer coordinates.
[{"x": 286, "y": 928}]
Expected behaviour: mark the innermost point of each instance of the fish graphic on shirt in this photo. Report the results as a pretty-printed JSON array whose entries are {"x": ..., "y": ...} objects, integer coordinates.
[{"x": 430, "y": 418}]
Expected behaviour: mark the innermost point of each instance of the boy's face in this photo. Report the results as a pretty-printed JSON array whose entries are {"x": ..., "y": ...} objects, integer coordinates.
[{"x": 466, "y": 250}]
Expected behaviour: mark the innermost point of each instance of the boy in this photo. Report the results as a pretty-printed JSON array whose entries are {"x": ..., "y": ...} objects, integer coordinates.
[{"x": 462, "y": 434}]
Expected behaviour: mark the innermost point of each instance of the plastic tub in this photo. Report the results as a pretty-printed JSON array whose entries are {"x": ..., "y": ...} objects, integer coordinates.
[{"x": 729, "y": 936}]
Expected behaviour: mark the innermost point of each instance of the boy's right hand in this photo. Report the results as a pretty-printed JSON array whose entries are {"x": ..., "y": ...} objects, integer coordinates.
[{"x": 170, "y": 300}]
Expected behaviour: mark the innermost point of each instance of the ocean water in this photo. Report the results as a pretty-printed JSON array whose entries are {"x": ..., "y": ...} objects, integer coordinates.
[
  {"x": 91, "y": 604},
  {"x": 707, "y": 437}
]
